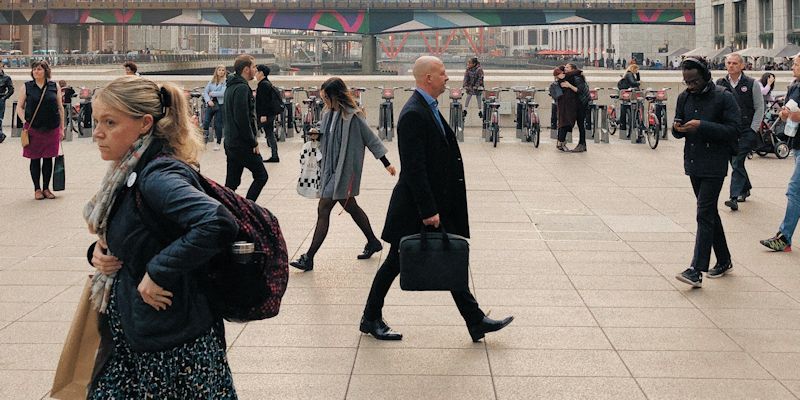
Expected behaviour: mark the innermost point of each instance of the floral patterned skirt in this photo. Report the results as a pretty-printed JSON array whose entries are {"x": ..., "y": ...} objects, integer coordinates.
[{"x": 193, "y": 370}]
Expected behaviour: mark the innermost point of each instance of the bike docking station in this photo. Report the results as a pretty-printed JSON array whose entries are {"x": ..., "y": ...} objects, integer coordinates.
[{"x": 598, "y": 118}]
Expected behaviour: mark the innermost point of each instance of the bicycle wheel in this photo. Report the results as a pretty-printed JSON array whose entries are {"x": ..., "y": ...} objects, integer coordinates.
[
  {"x": 612, "y": 122},
  {"x": 495, "y": 134},
  {"x": 536, "y": 131},
  {"x": 653, "y": 134}
]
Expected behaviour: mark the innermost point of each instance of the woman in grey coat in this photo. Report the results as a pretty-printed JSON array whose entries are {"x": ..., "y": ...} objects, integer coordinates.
[{"x": 345, "y": 135}]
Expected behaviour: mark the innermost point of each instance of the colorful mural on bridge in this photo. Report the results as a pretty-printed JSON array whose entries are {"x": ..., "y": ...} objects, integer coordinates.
[{"x": 356, "y": 21}]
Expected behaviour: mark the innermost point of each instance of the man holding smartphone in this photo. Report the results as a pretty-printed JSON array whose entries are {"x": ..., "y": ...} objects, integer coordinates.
[{"x": 707, "y": 117}]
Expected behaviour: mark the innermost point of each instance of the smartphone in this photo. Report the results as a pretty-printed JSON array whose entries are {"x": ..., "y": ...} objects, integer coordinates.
[{"x": 677, "y": 121}]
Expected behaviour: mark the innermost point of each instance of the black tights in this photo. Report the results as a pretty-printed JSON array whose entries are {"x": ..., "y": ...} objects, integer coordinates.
[
  {"x": 43, "y": 167},
  {"x": 324, "y": 218}
]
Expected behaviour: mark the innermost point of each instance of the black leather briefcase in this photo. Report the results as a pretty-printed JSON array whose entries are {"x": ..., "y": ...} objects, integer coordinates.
[{"x": 434, "y": 261}]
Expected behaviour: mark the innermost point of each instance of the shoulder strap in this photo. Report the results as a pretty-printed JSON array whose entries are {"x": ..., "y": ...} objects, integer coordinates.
[{"x": 44, "y": 89}]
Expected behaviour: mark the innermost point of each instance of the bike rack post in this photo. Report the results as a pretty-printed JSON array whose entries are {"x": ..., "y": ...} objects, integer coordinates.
[
  {"x": 68, "y": 125},
  {"x": 519, "y": 119},
  {"x": 16, "y": 123}
]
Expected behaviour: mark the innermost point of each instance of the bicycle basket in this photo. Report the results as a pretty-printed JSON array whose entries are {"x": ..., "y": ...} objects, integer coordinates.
[
  {"x": 625, "y": 95},
  {"x": 593, "y": 94},
  {"x": 455, "y": 93},
  {"x": 387, "y": 94},
  {"x": 661, "y": 95}
]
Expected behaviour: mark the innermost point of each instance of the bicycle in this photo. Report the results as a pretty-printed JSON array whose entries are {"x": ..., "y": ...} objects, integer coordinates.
[
  {"x": 534, "y": 126},
  {"x": 611, "y": 121},
  {"x": 636, "y": 116},
  {"x": 313, "y": 112},
  {"x": 521, "y": 109},
  {"x": 197, "y": 106},
  {"x": 656, "y": 115},
  {"x": 493, "y": 109},
  {"x": 80, "y": 117},
  {"x": 287, "y": 120},
  {"x": 357, "y": 93},
  {"x": 386, "y": 113},
  {"x": 456, "y": 113}
]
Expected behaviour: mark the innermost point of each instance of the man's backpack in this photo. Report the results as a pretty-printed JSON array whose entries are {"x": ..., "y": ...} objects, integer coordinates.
[
  {"x": 275, "y": 104},
  {"x": 623, "y": 84},
  {"x": 241, "y": 292}
]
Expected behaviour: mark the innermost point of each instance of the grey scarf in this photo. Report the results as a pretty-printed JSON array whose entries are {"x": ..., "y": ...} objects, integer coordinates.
[{"x": 97, "y": 210}]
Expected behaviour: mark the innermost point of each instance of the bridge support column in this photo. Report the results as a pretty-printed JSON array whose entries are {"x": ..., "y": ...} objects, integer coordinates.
[{"x": 369, "y": 54}]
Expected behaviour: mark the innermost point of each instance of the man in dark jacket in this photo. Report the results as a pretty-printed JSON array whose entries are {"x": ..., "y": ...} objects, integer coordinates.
[
  {"x": 6, "y": 90},
  {"x": 747, "y": 92},
  {"x": 430, "y": 191},
  {"x": 266, "y": 100},
  {"x": 707, "y": 116},
  {"x": 241, "y": 147}
]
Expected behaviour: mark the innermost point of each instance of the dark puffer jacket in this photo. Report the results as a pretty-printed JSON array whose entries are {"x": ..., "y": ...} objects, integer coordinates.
[
  {"x": 239, "y": 107},
  {"x": 172, "y": 194},
  {"x": 708, "y": 150}
]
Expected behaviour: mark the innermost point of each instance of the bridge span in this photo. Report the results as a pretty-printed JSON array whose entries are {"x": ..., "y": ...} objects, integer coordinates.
[{"x": 351, "y": 16}]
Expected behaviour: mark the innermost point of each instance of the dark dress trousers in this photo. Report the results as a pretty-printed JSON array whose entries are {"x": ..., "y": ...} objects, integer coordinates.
[
  {"x": 706, "y": 153},
  {"x": 431, "y": 182}
]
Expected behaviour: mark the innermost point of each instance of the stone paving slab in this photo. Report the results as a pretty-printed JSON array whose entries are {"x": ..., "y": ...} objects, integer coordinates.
[{"x": 581, "y": 248}]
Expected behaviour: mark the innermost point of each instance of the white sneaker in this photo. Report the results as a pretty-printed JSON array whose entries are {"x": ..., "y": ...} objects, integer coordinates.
[{"x": 216, "y": 147}]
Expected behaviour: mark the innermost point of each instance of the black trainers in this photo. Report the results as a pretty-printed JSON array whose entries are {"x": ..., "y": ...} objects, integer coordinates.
[
  {"x": 304, "y": 263},
  {"x": 465, "y": 113},
  {"x": 733, "y": 204},
  {"x": 777, "y": 243},
  {"x": 2, "y": 137},
  {"x": 719, "y": 270},
  {"x": 692, "y": 277}
]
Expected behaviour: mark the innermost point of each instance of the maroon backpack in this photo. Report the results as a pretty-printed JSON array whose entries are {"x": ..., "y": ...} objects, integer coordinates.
[{"x": 242, "y": 292}]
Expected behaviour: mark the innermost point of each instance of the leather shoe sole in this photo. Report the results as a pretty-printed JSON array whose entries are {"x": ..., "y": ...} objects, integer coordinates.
[
  {"x": 479, "y": 332},
  {"x": 365, "y": 328}
]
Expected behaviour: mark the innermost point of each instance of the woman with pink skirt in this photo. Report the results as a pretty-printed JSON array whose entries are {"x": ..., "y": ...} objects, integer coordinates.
[{"x": 42, "y": 112}]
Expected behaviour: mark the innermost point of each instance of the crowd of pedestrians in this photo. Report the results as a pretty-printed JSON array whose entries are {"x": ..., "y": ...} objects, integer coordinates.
[{"x": 160, "y": 336}]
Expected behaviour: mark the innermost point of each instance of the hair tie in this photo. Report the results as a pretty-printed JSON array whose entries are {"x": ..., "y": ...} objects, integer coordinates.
[{"x": 166, "y": 99}]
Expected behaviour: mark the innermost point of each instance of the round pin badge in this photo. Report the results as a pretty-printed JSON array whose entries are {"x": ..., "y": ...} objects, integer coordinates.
[
  {"x": 744, "y": 89},
  {"x": 131, "y": 179}
]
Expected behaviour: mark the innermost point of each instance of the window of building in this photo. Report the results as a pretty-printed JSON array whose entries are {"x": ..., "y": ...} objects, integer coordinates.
[
  {"x": 719, "y": 19},
  {"x": 765, "y": 15},
  {"x": 740, "y": 17},
  {"x": 795, "y": 14},
  {"x": 533, "y": 37}
]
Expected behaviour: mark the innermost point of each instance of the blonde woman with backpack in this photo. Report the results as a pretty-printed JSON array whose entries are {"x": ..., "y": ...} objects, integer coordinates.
[{"x": 159, "y": 336}]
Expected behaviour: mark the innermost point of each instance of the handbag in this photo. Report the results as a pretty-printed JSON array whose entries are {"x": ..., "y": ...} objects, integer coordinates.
[
  {"x": 434, "y": 261},
  {"x": 25, "y": 136},
  {"x": 75, "y": 367},
  {"x": 59, "y": 172},
  {"x": 308, "y": 185}
]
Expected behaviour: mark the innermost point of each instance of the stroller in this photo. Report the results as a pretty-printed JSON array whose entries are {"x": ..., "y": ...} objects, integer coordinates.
[{"x": 770, "y": 137}]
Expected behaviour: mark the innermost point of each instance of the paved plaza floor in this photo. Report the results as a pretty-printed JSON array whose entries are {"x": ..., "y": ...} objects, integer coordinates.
[{"x": 581, "y": 248}]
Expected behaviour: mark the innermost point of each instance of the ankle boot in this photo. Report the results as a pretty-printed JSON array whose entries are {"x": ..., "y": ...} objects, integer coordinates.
[{"x": 580, "y": 148}]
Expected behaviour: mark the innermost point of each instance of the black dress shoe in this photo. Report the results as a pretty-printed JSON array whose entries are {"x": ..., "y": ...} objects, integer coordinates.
[
  {"x": 2, "y": 137},
  {"x": 272, "y": 160},
  {"x": 379, "y": 330},
  {"x": 303, "y": 263},
  {"x": 369, "y": 250},
  {"x": 477, "y": 332}
]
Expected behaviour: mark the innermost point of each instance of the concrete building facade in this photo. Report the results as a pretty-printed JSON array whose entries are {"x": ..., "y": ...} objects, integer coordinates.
[
  {"x": 597, "y": 41},
  {"x": 525, "y": 39},
  {"x": 747, "y": 23}
]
